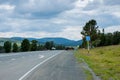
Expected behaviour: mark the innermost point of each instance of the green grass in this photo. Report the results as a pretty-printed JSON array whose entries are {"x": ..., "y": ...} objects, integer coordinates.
[
  {"x": 89, "y": 75},
  {"x": 105, "y": 61}
]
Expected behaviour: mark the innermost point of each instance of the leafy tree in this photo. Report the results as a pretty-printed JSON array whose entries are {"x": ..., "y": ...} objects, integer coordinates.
[
  {"x": 25, "y": 45},
  {"x": 108, "y": 39},
  {"x": 49, "y": 45},
  {"x": 102, "y": 38},
  {"x": 41, "y": 47},
  {"x": 7, "y": 46},
  {"x": 90, "y": 29},
  {"x": 60, "y": 47},
  {"x": 1, "y": 49},
  {"x": 15, "y": 47},
  {"x": 34, "y": 45},
  {"x": 116, "y": 37}
]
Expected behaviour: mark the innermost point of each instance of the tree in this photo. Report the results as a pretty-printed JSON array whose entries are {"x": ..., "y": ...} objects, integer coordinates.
[
  {"x": 41, "y": 47},
  {"x": 49, "y": 45},
  {"x": 25, "y": 45},
  {"x": 116, "y": 37},
  {"x": 102, "y": 38},
  {"x": 90, "y": 29},
  {"x": 60, "y": 47},
  {"x": 34, "y": 45},
  {"x": 108, "y": 39},
  {"x": 15, "y": 47},
  {"x": 1, "y": 49},
  {"x": 7, "y": 46}
]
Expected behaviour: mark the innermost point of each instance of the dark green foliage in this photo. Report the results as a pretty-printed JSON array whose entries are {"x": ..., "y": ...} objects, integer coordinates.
[
  {"x": 49, "y": 45},
  {"x": 98, "y": 38},
  {"x": 41, "y": 47},
  {"x": 1, "y": 49},
  {"x": 116, "y": 37},
  {"x": 110, "y": 39},
  {"x": 15, "y": 47},
  {"x": 7, "y": 46},
  {"x": 25, "y": 45},
  {"x": 102, "y": 38},
  {"x": 90, "y": 29},
  {"x": 60, "y": 47},
  {"x": 33, "y": 45}
]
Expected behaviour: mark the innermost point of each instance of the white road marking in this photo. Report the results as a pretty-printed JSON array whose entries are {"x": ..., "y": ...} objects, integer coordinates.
[
  {"x": 41, "y": 56},
  {"x": 21, "y": 78}
]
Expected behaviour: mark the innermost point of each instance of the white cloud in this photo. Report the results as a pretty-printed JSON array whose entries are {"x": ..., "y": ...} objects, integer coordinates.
[
  {"x": 112, "y": 29},
  {"x": 70, "y": 33},
  {"x": 44, "y": 7},
  {"x": 6, "y": 7},
  {"x": 117, "y": 14},
  {"x": 56, "y": 18},
  {"x": 81, "y": 3}
]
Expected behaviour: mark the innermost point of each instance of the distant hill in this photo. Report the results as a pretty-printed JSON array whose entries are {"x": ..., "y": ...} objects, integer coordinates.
[
  {"x": 60, "y": 41},
  {"x": 21, "y": 38},
  {"x": 2, "y": 40}
]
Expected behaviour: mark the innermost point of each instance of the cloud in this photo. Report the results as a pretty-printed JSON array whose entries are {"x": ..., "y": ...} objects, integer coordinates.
[
  {"x": 112, "y": 29},
  {"x": 6, "y": 7},
  {"x": 111, "y": 2},
  {"x": 69, "y": 32},
  {"x": 43, "y": 8},
  {"x": 56, "y": 18}
]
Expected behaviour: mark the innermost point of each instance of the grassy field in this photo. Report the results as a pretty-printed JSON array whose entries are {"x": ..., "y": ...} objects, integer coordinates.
[{"x": 105, "y": 61}]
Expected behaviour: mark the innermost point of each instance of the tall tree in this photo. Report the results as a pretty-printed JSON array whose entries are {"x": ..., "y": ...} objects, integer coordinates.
[
  {"x": 7, "y": 46},
  {"x": 90, "y": 29},
  {"x": 60, "y": 47},
  {"x": 25, "y": 45},
  {"x": 49, "y": 45},
  {"x": 108, "y": 39},
  {"x": 40, "y": 47},
  {"x": 34, "y": 45},
  {"x": 116, "y": 37},
  {"x": 102, "y": 38},
  {"x": 15, "y": 47}
]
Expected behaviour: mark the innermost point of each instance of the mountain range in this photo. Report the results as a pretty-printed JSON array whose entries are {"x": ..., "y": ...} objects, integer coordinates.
[{"x": 57, "y": 40}]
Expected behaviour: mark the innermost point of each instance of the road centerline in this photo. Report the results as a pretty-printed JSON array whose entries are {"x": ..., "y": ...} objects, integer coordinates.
[{"x": 32, "y": 69}]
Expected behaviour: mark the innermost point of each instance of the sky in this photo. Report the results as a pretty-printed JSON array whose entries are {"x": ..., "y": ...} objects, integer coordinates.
[{"x": 56, "y": 18}]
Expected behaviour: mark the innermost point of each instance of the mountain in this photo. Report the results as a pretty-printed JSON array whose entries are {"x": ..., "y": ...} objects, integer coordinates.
[
  {"x": 59, "y": 41},
  {"x": 21, "y": 38}
]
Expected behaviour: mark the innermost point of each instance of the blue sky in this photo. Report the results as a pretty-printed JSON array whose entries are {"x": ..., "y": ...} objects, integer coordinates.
[{"x": 56, "y": 18}]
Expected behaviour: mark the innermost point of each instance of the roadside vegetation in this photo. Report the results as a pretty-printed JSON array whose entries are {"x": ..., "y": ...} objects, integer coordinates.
[
  {"x": 105, "y": 61},
  {"x": 98, "y": 37},
  {"x": 104, "y": 54},
  {"x": 27, "y": 45}
]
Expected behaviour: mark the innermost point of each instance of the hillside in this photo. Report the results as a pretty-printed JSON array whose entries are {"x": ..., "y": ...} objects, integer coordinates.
[{"x": 60, "y": 41}]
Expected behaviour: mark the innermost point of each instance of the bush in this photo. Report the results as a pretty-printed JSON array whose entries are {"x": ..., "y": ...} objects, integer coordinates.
[
  {"x": 25, "y": 45},
  {"x": 15, "y": 47},
  {"x": 7, "y": 46}
]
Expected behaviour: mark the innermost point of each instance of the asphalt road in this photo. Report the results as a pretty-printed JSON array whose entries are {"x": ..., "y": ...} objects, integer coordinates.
[{"x": 40, "y": 65}]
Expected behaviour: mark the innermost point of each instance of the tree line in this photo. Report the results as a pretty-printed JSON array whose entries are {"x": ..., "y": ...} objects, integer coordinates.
[
  {"x": 98, "y": 37},
  {"x": 27, "y": 45}
]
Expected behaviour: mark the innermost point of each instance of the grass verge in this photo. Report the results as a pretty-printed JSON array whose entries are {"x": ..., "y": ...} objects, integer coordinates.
[{"x": 105, "y": 61}]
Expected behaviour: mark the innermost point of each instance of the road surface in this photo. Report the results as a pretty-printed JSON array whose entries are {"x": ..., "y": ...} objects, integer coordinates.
[{"x": 40, "y": 65}]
